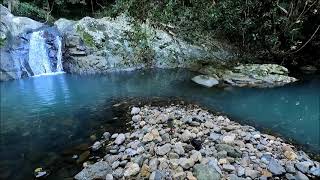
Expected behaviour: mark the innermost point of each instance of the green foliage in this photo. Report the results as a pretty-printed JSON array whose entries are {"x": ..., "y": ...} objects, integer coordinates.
[
  {"x": 141, "y": 37},
  {"x": 2, "y": 42},
  {"x": 273, "y": 27},
  {"x": 32, "y": 11},
  {"x": 86, "y": 37}
]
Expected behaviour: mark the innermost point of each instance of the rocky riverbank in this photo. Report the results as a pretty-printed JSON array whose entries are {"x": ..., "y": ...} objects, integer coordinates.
[{"x": 188, "y": 142}]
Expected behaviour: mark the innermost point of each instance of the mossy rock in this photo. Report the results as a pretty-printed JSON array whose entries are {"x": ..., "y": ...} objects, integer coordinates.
[{"x": 86, "y": 37}]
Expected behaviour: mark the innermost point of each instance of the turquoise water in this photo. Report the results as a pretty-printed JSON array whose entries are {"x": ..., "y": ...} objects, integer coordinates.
[{"x": 42, "y": 116}]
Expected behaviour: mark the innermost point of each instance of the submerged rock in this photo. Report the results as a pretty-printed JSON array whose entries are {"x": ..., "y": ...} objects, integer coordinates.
[
  {"x": 308, "y": 69},
  {"x": 204, "y": 80}
]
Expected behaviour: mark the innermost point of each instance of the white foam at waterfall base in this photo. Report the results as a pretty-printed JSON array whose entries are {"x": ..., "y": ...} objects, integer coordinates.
[{"x": 38, "y": 57}]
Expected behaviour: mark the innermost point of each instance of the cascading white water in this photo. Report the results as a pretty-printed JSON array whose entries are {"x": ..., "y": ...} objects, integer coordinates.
[
  {"x": 38, "y": 57},
  {"x": 45, "y": 59},
  {"x": 59, "y": 54}
]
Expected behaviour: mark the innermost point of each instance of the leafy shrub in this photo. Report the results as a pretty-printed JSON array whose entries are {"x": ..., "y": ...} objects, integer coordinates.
[
  {"x": 271, "y": 27},
  {"x": 32, "y": 11}
]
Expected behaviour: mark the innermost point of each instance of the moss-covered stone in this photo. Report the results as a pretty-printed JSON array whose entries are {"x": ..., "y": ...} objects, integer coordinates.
[
  {"x": 253, "y": 75},
  {"x": 86, "y": 37},
  {"x": 2, "y": 41}
]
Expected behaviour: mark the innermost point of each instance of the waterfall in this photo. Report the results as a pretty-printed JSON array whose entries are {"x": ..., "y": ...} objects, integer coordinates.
[
  {"x": 38, "y": 57},
  {"x": 45, "y": 55},
  {"x": 59, "y": 54}
]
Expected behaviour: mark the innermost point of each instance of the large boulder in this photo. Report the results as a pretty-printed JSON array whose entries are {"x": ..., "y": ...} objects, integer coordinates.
[
  {"x": 108, "y": 44},
  {"x": 204, "y": 80},
  {"x": 14, "y": 25},
  {"x": 252, "y": 75}
]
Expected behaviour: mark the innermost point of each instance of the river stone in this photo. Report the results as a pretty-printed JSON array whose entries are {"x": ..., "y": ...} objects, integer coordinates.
[
  {"x": 204, "y": 80},
  {"x": 131, "y": 169},
  {"x": 153, "y": 164},
  {"x": 315, "y": 171},
  {"x": 178, "y": 148},
  {"x": 135, "y": 110},
  {"x": 231, "y": 151},
  {"x": 186, "y": 163},
  {"x": 205, "y": 172},
  {"x": 228, "y": 167},
  {"x": 290, "y": 167},
  {"x": 251, "y": 173},
  {"x": 179, "y": 176},
  {"x": 98, "y": 170},
  {"x": 290, "y": 176},
  {"x": 136, "y": 118},
  {"x": 118, "y": 173},
  {"x": 235, "y": 177},
  {"x": 214, "y": 136},
  {"x": 186, "y": 135},
  {"x": 303, "y": 166},
  {"x": 275, "y": 168},
  {"x": 162, "y": 150},
  {"x": 240, "y": 171},
  {"x": 97, "y": 145},
  {"x": 120, "y": 139},
  {"x": 228, "y": 139},
  {"x": 115, "y": 164},
  {"x": 157, "y": 175},
  {"x": 106, "y": 135},
  {"x": 289, "y": 154},
  {"x": 152, "y": 135},
  {"x": 145, "y": 170},
  {"x": 300, "y": 176},
  {"x": 109, "y": 177}
]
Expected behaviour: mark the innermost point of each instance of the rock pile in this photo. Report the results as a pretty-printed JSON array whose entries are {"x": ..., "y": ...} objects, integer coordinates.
[{"x": 187, "y": 142}]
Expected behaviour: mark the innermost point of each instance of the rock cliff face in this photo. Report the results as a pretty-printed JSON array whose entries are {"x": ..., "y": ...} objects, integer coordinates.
[
  {"x": 28, "y": 47},
  {"x": 10, "y": 29},
  {"x": 102, "y": 45},
  {"x": 95, "y": 46}
]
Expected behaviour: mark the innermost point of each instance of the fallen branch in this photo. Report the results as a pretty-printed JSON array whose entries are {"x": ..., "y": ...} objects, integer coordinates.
[{"x": 307, "y": 41}]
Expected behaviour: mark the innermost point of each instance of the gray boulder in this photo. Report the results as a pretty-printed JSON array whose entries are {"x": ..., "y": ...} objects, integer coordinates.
[
  {"x": 252, "y": 75},
  {"x": 204, "y": 80},
  {"x": 275, "y": 168}
]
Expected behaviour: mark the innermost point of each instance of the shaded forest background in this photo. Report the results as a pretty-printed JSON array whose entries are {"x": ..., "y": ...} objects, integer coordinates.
[{"x": 282, "y": 31}]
